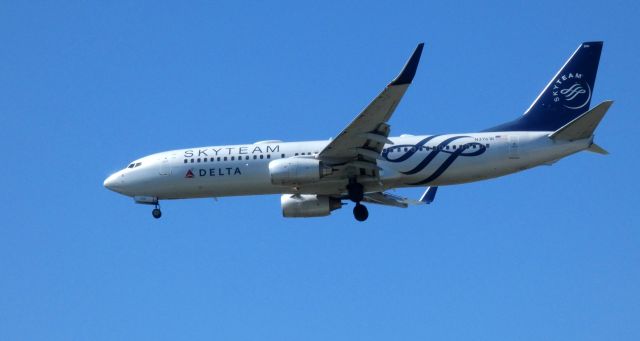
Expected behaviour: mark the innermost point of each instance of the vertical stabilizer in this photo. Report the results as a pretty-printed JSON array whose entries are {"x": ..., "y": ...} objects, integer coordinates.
[{"x": 567, "y": 95}]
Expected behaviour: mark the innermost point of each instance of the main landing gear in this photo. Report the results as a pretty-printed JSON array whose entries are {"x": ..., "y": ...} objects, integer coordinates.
[
  {"x": 156, "y": 213},
  {"x": 356, "y": 194},
  {"x": 360, "y": 212}
]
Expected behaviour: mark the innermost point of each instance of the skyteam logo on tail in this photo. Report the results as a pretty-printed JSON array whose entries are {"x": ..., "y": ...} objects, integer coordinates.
[{"x": 571, "y": 91}]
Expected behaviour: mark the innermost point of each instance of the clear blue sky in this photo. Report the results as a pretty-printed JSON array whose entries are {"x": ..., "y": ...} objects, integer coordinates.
[{"x": 85, "y": 87}]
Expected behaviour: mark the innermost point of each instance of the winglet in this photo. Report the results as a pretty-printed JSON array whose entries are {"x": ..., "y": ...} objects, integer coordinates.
[
  {"x": 429, "y": 195},
  {"x": 409, "y": 70}
]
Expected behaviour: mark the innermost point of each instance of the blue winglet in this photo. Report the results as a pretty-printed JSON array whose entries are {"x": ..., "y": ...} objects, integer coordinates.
[
  {"x": 429, "y": 195},
  {"x": 409, "y": 70}
]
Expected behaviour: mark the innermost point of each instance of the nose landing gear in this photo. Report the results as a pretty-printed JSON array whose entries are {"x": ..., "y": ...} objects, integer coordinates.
[
  {"x": 156, "y": 213},
  {"x": 356, "y": 194}
]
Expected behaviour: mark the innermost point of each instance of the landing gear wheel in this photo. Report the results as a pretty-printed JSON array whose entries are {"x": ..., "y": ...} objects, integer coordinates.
[
  {"x": 156, "y": 213},
  {"x": 360, "y": 212}
]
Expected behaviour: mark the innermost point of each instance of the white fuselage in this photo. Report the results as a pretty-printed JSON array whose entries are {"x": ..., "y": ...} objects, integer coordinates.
[{"x": 429, "y": 160}]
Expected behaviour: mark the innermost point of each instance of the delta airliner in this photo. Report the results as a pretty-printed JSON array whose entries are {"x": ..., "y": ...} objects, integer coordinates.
[{"x": 363, "y": 162}]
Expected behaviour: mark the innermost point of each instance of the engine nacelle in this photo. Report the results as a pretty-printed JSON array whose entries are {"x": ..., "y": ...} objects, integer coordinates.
[
  {"x": 296, "y": 171},
  {"x": 308, "y": 205}
]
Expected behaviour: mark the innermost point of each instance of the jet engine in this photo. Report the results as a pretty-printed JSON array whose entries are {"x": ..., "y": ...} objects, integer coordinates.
[
  {"x": 296, "y": 171},
  {"x": 308, "y": 205}
]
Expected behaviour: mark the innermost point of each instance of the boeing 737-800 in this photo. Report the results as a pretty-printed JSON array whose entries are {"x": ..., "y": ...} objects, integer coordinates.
[{"x": 362, "y": 162}]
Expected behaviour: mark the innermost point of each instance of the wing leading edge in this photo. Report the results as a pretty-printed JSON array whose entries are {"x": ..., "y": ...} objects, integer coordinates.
[{"x": 361, "y": 142}]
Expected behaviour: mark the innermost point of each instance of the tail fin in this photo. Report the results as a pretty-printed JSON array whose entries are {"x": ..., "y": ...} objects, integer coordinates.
[{"x": 566, "y": 96}]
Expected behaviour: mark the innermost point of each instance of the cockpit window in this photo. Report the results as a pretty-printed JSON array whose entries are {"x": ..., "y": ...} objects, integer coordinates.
[
  {"x": 130, "y": 166},
  {"x": 138, "y": 164}
]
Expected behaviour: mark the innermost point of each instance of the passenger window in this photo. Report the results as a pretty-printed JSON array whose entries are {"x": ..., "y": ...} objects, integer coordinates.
[
  {"x": 218, "y": 159},
  {"x": 211, "y": 160},
  {"x": 185, "y": 160},
  {"x": 261, "y": 156},
  {"x": 268, "y": 156},
  {"x": 283, "y": 156},
  {"x": 232, "y": 158},
  {"x": 192, "y": 160},
  {"x": 198, "y": 159},
  {"x": 487, "y": 145},
  {"x": 405, "y": 149},
  {"x": 255, "y": 157},
  {"x": 246, "y": 157},
  {"x": 296, "y": 154},
  {"x": 225, "y": 158}
]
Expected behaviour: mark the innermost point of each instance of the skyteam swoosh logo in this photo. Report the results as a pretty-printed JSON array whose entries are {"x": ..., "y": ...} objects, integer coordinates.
[
  {"x": 571, "y": 91},
  {"x": 469, "y": 149}
]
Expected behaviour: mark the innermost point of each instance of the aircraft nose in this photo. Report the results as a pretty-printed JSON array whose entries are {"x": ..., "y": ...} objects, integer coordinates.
[{"x": 111, "y": 181}]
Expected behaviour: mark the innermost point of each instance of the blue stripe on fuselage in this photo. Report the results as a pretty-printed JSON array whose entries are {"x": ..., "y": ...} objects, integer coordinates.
[{"x": 440, "y": 148}]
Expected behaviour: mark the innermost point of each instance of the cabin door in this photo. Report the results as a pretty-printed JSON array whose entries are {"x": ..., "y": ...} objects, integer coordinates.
[
  {"x": 165, "y": 169},
  {"x": 514, "y": 147}
]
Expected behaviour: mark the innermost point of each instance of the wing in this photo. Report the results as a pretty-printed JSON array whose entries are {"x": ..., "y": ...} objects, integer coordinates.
[
  {"x": 388, "y": 199},
  {"x": 361, "y": 142}
]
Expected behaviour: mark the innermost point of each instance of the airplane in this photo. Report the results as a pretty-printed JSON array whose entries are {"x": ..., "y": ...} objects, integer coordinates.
[{"x": 362, "y": 163}]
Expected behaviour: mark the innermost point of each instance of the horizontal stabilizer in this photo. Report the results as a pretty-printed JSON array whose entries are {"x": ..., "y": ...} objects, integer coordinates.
[
  {"x": 583, "y": 126},
  {"x": 594, "y": 148}
]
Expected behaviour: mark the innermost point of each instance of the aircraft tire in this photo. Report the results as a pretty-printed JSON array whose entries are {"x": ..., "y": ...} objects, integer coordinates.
[
  {"x": 156, "y": 213},
  {"x": 360, "y": 212}
]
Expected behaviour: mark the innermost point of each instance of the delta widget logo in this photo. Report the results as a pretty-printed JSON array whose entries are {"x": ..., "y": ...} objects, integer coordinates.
[{"x": 571, "y": 91}]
